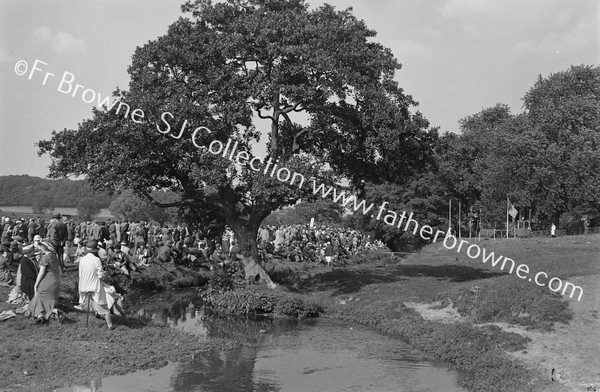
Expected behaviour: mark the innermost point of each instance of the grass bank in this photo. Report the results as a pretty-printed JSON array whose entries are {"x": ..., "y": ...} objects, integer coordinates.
[
  {"x": 439, "y": 301},
  {"x": 41, "y": 357},
  {"x": 451, "y": 306}
]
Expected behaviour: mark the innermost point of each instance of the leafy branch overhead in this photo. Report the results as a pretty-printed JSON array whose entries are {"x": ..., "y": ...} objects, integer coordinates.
[{"x": 227, "y": 64}]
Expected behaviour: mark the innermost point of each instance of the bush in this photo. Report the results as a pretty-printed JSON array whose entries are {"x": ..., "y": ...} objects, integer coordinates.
[
  {"x": 241, "y": 302},
  {"x": 251, "y": 301},
  {"x": 296, "y": 308},
  {"x": 228, "y": 278}
]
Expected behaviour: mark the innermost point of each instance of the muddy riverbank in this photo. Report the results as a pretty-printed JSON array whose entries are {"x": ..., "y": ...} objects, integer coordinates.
[{"x": 442, "y": 304}]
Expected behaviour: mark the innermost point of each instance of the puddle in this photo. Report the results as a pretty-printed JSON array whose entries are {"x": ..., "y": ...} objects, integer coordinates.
[{"x": 281, "y": 355}]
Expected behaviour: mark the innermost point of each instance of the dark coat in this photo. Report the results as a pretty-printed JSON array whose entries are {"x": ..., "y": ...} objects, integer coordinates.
[{"x": 29, "y": 272}]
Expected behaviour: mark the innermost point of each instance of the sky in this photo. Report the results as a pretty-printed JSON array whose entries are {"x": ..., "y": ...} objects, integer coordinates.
[{"x": 458, "y": 56}]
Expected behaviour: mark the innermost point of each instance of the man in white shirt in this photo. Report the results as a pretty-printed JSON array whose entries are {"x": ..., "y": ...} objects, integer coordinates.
[{"x": 91, "y": 287}]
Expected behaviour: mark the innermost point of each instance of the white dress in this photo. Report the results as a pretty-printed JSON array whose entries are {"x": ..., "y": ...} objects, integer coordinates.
[{"x": 90, "y": 275}]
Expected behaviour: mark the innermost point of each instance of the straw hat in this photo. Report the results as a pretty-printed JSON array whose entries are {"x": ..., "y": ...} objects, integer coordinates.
[{"x": 47, "y": 245}]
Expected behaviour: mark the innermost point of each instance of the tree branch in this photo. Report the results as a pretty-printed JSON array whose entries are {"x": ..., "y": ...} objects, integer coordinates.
[
  {"x": 165, "y": 205},
  {"x": 295, "y": 144},
  {"x": 292, "y": 108},
  {"x": 263, "y": 116}
]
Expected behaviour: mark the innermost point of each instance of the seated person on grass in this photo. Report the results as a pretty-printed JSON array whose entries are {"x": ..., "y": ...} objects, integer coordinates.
[
  {"x": 164, "y": 254},
  {"x": 121, "y": 262}
]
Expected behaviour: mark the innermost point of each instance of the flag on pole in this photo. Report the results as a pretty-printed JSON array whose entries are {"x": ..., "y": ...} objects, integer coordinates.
[{"x": 512, "y": 210}]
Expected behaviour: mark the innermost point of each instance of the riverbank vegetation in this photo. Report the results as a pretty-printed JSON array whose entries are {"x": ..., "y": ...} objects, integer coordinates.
[{"x": 439, "y": 301}]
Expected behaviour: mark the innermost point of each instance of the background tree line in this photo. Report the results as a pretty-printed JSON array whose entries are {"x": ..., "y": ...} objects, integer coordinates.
[
  {"x": 225, "y": 63},
  {"x": 546, "y": 158},
  {"x": 43, "y": 195}
]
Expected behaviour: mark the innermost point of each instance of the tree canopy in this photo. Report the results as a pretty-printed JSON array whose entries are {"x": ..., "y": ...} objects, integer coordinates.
[
  {"x": 218, "y": 69},
  {"x": 546, "y": 158}
]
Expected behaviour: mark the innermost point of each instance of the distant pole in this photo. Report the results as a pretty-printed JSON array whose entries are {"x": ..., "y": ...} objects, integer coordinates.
[
  {"x": 459, "y": 222},
  {"x": 507, "y": 204},
  {"x": 515, "y": 224},
  {"x": 479, "y": 225},
  {"x": 450, "y": 217}
]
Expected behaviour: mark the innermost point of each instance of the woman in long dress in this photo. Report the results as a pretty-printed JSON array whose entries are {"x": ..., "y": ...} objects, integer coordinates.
[{"x": 47, "y": 285}]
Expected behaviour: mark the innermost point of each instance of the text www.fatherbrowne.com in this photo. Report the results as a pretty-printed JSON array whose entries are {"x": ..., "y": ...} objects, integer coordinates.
[
  {"x": 403, "y": 221},
  {"x": 271, "y": 169}
]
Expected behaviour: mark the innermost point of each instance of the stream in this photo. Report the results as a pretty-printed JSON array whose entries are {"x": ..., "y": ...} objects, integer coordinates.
[{"x": 278, "y": 355}]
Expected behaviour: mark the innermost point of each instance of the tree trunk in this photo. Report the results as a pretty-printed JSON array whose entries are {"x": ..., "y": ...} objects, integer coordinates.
[{"x": 254, "y": 272}]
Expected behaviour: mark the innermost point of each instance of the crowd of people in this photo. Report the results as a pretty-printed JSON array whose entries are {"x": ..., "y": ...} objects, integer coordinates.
[
  {"x": 35, "y": 253},
  {"x": 324, "y": 244}
]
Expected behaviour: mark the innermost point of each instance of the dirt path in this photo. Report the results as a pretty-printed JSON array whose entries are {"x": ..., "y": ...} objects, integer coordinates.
[{"x": 572, "y": 350}]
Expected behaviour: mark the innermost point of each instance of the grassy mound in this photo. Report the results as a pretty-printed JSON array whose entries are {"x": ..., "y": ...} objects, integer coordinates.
[
  {"x": 257, "y": 301},
  {"x": 513, "y": 301}
]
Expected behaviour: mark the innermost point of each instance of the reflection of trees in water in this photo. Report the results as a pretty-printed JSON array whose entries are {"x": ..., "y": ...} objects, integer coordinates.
[
  {"x": 231, "y": 370},
  {"x": 219, "y": 370},
  {"x": 169, "y": 307},
  {"x": 243, "y": 329}
]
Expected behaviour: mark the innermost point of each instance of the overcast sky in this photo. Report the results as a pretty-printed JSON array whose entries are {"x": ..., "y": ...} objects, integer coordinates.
[{"x": 458, "y": 56}]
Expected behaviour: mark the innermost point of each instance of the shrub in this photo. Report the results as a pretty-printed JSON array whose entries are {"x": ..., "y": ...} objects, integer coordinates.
[
  {"x": 296, "y": 308},
  {"x": 241, "y": 302},
  {"x": 250, "y": 301},
  {"x": 228, "y": 278}
]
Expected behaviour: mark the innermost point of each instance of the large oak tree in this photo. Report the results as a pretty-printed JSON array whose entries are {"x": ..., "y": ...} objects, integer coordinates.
[{"x": 221, "y": 67}]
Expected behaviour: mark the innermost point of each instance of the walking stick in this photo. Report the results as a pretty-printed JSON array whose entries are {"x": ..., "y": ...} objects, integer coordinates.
[{"x": 87, "y": 320}]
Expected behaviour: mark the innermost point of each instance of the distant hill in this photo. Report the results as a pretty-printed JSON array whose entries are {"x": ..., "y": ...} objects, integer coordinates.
[{"x": 24, "y": 190}]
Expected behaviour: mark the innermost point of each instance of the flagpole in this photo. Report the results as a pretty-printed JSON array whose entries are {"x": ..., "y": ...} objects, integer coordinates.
[
  {"x": 507, "y": 204},
  {"x": 450, "y": 217},
  {"x": 515, "y": 224},
  {"x": 459, "y": 222},
  {"x": 479, "y": 225}
]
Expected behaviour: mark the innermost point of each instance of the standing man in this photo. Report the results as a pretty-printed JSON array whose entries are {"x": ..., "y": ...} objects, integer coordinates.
[
  {"x": 91, "y": 287},
  {"x": 118, "y": 238},
  {"x": 57, "y": 233},
  {"x": 83, "y": 235},
  {"x": 31, "y": 230},
  {"x": 112, "y": 231}
]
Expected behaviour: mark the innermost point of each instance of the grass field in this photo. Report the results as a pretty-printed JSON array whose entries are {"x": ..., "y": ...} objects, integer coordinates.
[
  {"x": 507, "y": 333},
  {"x": 502, "y": 332}
]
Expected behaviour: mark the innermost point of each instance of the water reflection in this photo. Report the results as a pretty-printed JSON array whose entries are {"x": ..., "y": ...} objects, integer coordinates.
[{"x": 290, "y": 355}]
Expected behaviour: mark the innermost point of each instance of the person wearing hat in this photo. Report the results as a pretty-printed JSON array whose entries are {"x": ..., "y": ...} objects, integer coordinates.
[
  {"x": 7, "y": 230},
  {"x": 121, "y": 261},
  {"x": 46, "y": 286},
  {"x": 21, "y": 228},
  {"x": 31, "y": 230},
  {"x": 91, "y": 287},
  {"x": 28, "y": 272}
]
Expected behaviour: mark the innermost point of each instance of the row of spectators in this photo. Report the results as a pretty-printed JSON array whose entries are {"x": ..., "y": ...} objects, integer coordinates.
[
  {"x": 315, "y": 244},
  {"x": 129, "y": 245}
]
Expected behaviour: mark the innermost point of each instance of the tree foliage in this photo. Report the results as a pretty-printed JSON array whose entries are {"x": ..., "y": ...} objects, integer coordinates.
[
  {"x": 88, "y": 207},
  {"x": 42, "y": 204},
  {"x": 24, "y": 190},
  {"x": 547, "y": 157},
  {"x": 227, "y": 63},
  {"x": 128, "y": 206}
]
